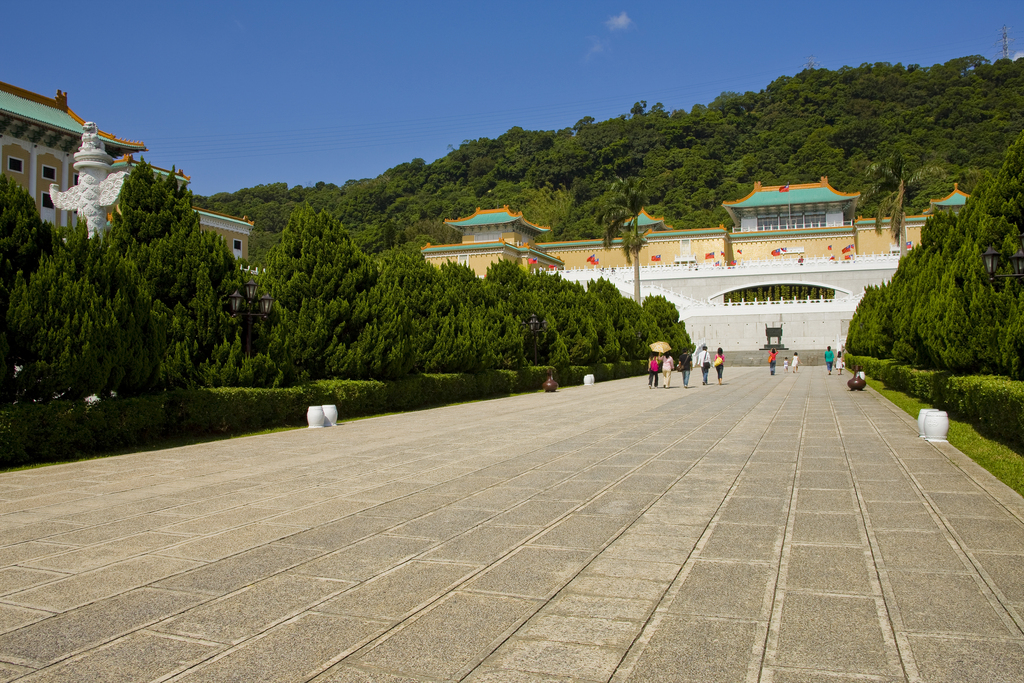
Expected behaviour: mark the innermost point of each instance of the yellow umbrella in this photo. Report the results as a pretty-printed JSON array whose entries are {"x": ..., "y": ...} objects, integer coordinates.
[{"x": 661, "y": 347}]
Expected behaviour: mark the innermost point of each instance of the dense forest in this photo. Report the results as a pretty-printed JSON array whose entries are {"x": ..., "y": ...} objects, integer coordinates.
[{"x": 959, "y": 116}]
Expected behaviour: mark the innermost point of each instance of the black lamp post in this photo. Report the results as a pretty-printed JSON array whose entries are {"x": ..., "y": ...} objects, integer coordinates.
[
  {"x": 990, "y": 257},
  {"x": 249, "y": 307},
  {"x": 535, "y": 326}
]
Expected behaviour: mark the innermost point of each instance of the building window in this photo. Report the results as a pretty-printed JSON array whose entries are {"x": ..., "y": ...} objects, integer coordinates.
[
  {"x": 49, "y": 173},
  {"x": 15, "y": 165},
  {"x": 236, "y": 246},
  {"x": 76, "y": 179},
  {"x": 463, "y": 259},
  {"x": 47, "y": 202}
]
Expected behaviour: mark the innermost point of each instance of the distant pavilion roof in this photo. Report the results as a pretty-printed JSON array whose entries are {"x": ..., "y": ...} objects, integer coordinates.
[
  {"x": 649, "y": 221},
  {"x": 820, "y": 193},
  {"x": 128, "y": 163},
  {"x": 28, "y": 115},
  {"x": 954, "y": 200},
  {"x": 497, "y": 217}
]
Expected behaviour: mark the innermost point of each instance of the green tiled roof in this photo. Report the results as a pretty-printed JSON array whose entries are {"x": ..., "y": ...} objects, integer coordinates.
[
  {"x": 224, "y": 217},
  {"x": 28, "y": 109},
  {"x": 796, "y": 195},
  {"x": 501, "y": 216}
]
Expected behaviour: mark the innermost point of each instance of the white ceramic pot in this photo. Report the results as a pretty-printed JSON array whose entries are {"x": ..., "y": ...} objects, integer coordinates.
[
  {"x": 588, "y": 380},
  {"x": 920, "y": 419},
  {"x": 936, "y": 425},
  {"x": 315, "y": 417},
  {"x": 330, "y": 415}
]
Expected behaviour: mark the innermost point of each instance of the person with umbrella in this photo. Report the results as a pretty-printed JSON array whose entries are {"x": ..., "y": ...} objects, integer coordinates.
[
  {"x": 657, "y": 362},
  {"x": 667, "y": 364}
]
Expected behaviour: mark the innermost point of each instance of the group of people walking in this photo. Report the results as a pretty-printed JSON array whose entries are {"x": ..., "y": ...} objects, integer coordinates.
[
  {"x": 665, "y": 365},
  {"x": 831, "y": 361}
]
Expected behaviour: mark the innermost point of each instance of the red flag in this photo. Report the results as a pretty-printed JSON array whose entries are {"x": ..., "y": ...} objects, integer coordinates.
[
  {"x": 739, "y": 251},
  {"x": 830, "y": 247},
  {"x": 776, "y": 252},
  {"x": 710, "y": 254},
  {"x": 656, "y": 257},
  {"x": 784, "y": 188}
]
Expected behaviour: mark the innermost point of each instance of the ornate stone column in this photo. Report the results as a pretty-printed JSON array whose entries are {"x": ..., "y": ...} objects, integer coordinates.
[{"x": 97, "y": 188}]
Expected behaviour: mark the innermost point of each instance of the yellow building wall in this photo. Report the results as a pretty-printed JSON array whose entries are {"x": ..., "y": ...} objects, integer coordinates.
[
  {"x": 21, "y": 153},
  {"x": 229, "y": 238}
]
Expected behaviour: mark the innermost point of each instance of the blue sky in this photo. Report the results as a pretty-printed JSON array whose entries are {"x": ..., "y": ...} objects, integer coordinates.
[{"x": 244, "y": 93}]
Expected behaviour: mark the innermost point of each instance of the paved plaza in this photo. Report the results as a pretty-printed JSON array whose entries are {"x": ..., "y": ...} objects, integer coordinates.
[{"x": 778, "y": 529}]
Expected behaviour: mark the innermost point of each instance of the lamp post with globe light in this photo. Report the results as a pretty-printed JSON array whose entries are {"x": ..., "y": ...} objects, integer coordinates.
[{"x": 248, "y": 306}]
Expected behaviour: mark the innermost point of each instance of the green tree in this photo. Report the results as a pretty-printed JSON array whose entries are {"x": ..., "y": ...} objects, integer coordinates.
[
  {"x": 321, "y": 281},
  {"x": 894, "y": 179},
  {"x": 24, "y": 239},
  {"x": 86, "y": 324},
  {"x": 620, "y": 216}
]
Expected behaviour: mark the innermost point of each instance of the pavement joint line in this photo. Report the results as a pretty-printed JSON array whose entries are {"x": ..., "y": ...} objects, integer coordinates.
[
  {"x": 995, "y": 597},
  {"x": 551, "y": 525},
  {"x": 879, "y": 577},
  {"x": 426, "y": 607},
  {"x": 776, "y": 600},
  {"x": 646, "y": 633},
  {"x": 898, "y": 649}
]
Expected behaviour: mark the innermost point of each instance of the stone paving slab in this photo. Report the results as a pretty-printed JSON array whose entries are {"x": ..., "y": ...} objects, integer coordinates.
[{"x": 779, "y": 529}]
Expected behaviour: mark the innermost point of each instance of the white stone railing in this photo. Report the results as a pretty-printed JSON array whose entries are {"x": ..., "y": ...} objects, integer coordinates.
[{"x": 626, "y": 272}]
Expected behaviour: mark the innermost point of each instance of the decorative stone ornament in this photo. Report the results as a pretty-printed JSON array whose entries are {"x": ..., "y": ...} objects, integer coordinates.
[
  {"x": 920, "y": 420},
  {"x": 550, "y": 384},
  {"x": 315, "y": 417},
  {"x": 97, "y": 187},
  {"x": 330, "y": 415},
  {"x": 857, "y": 382},
  {"x": 588, "y": 380},
  {"x": 936, "y": 425}
]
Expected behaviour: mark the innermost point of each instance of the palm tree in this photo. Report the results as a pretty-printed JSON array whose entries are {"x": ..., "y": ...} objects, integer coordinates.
[
  {"x": 620, "y": 215},
  {"x": 896, "y": 179}
]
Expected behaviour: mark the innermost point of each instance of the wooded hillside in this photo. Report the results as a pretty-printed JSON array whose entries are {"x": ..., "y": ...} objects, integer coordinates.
[{"x": 961, "y": 115}]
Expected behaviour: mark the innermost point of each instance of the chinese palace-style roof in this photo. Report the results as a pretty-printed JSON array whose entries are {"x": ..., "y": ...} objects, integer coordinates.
[
  {"x": 49, "y": 120},
  {"x": 820, "y": 193},
  {"x": 502, "y": 217},
  {"x": 954, "y": 200}
]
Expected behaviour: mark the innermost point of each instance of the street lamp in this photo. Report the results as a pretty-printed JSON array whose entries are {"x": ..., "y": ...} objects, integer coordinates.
[
  {"x": 249, "y": 307},
  {"x": 990, "y": 257},
  {"x": 535, "y": 326}
]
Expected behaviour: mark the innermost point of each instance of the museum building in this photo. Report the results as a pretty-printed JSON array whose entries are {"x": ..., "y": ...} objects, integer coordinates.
[
  {"x": 780, "y": 222},
  {"x": 39, "y": 136}
]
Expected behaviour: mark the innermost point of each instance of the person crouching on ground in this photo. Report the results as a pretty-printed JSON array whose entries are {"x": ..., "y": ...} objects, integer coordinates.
[
  {"x": 685, "y": 365},
  {"x": 771, "y": 360},
  {"x": 704, "y": 361},
  {"x": 654, "y": 366},
  {"x": 667, "y": 366},
  {"x": 719, "y": 364}
]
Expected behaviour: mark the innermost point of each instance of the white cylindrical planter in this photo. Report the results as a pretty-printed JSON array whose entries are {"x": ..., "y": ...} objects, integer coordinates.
[
  {"x": 920, "y": 419},
  {"x": 936, "y": 425},
  {"x": 315, "y": 417},
  {"x": 588, "y": 380},
  {"x": 330, "y": 415}
]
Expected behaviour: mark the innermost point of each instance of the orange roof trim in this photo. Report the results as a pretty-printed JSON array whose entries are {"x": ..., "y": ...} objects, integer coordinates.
[{"x": 799, "y": 186}]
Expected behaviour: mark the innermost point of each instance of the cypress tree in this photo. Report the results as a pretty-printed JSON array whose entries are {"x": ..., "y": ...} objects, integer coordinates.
[
  {"x": 321, "y": 281},
  {"x": 24, "y": 239}
]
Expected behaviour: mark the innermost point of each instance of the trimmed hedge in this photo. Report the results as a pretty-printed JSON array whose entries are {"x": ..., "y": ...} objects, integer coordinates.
[
  {"x": 995, "y": 404},
  {"x": 65, "y": 430}
]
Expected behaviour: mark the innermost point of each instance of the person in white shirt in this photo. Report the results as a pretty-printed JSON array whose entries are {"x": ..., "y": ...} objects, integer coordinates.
[
  {"x": 667, "y": 366},
  {"x": 796, "y": 361},
  {"x": 704, "y": 361}
]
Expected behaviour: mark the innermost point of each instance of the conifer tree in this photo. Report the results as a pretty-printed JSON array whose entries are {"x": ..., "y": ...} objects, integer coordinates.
[
  {"x": 24, "y": 238},
  {"x": 321, "y": 280}
]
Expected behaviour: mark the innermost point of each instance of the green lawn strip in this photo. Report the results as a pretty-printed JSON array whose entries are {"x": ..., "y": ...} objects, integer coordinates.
[{"x": 1003, "y": 461}]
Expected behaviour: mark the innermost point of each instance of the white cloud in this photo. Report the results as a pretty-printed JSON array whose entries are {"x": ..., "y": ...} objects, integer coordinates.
[
  {"x": 1017, "y": 55},
  {"x": 619, "y": 23},
  {"x": 596, "y": 47}
]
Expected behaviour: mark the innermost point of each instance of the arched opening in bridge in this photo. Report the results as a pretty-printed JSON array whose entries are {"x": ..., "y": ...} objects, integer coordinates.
[{"x": 779, "y": 293}]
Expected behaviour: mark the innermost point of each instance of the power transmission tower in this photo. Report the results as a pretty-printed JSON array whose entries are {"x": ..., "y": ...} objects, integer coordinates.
[
  {"x": 1004, "y": 42},
  {"x": 812, "y": 63}
]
